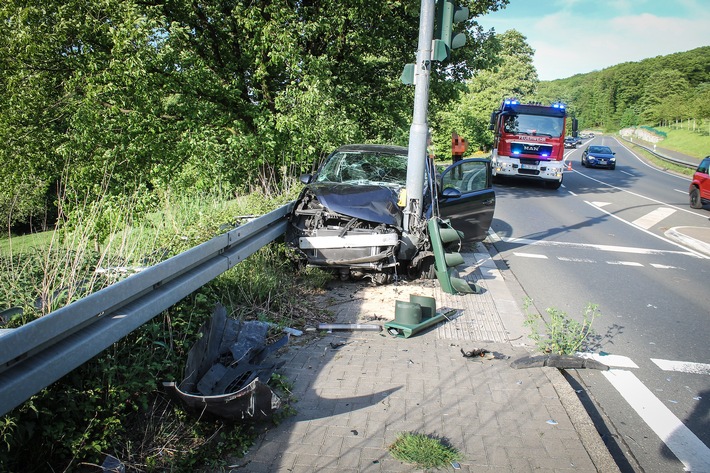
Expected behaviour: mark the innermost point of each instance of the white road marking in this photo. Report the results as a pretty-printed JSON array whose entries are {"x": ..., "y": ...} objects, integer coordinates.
[
  {"x": 601, "y": 204},
  {"x": 684, "y": 444},
  {"x": 629, "y": 174},
  {"x": 613, "y": 248},
  {"x": 654, "y": 217},
  {"x": 687, "y": 210},
  {"x": 699, "y": 255},
  {"x": 682, "y": 366},
  {"x": 616, "y": 361},
  {"x": 624, "y": 263},
  {"x": 530, "y": 255},
  {"x": 681, "y": 191},
  {"x": 576, "y": 260},
  {"x": 665, "y": 266}
]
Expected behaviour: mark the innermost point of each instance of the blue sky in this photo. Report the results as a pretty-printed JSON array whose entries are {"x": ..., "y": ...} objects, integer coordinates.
[{"x": 578, "y": 36}]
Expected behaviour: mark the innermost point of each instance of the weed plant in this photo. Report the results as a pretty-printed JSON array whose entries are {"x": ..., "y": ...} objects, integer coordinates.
[
  {"x": 423, "y": 451},
  {"x": 558, "y": 333},
  {"x": 113, "y": 404}
]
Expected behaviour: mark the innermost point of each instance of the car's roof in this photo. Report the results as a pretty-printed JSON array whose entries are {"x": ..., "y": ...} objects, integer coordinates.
[{"x": 374, "y": 148}]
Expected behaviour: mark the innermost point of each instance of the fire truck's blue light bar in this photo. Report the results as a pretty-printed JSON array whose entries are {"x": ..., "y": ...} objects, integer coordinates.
[
  {"x": 511, "y": 102},
  {"x": 559, "y": 105}
]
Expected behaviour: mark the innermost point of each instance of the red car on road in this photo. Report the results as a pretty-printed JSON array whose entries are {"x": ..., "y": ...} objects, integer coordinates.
[{"x": 700, "y": 186}]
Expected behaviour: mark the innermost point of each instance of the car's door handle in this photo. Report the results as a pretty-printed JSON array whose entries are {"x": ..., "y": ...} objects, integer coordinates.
[{"x": 489, "y": 202}]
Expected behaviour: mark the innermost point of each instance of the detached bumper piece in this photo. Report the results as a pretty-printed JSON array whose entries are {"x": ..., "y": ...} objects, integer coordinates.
[{"x": 228, "y": 369}]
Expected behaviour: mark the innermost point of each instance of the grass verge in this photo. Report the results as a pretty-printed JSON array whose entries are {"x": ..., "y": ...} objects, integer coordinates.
[
  {"x": 423, "y": 451},
  {"x": 113, "y": 404}
]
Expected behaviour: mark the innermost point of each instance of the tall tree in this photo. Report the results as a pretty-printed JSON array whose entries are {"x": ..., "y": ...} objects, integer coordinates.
[
  {"x": 105, "y": 96},
  {"x": 514, "y": 75}
]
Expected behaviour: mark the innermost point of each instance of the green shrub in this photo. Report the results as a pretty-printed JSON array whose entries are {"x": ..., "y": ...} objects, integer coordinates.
[{"x": 562, "y": 335}]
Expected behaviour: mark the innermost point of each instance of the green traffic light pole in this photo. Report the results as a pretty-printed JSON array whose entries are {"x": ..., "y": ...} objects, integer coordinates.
[{"x": 419, "y": 130}]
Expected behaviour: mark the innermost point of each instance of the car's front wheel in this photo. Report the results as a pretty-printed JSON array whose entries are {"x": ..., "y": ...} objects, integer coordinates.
[
  {"x": 553, "y": 184},
  {"x": 584, "y": 164},
  {"x": 695, "y": 201}
]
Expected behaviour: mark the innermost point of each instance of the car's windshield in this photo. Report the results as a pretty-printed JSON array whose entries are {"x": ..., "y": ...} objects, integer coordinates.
[
  {"x": 534, "y": 125},
  {"x": 600, "y": 149},
  {"x": 365, "y": 167}
]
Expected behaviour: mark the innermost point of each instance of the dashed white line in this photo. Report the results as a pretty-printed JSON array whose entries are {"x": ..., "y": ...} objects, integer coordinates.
[
  {"x": 576, "y": 260},
  {"x": 684, "y": 444},
  {"x": 624, "y": 263},
  {"x": 682, "y": 366},
  {"x": 665, "y": 266},
  {"x": 530, "y": 255}
]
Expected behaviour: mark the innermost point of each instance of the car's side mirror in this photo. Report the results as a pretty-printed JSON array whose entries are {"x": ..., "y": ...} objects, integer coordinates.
[
  {"x": 451, "y": 192},
  {"x": 305, "y": 178}
]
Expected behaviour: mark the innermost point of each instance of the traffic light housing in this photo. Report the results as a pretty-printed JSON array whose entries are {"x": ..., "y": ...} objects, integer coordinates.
[
  {"x": 443, "y": 237},
  {"x": 448, "y": 13}
]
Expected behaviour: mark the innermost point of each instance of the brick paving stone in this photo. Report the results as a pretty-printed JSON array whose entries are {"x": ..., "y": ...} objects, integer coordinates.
[{"x": 353, "y": 401}]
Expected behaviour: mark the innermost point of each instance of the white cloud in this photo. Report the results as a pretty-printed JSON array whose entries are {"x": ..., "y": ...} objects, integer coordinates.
[{"x": 566, "y": 45}]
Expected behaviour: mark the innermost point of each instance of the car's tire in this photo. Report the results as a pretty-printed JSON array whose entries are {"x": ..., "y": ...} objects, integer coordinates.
[
  {"x": 583, "y": 163},
  {"x": 427, "y": 268},
  {"x": 695, "y": 200},
  {"x": 381, "y": 278},
  {"x": 612, "y": 167},
  {"x": 553, "y": 185}
]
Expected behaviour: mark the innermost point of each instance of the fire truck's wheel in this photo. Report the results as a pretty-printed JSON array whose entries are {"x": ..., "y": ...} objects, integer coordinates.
[{"x": 553, "y": 185}]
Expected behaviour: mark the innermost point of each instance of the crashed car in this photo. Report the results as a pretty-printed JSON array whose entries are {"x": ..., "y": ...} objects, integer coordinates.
[{"x": 349, "y": 216}]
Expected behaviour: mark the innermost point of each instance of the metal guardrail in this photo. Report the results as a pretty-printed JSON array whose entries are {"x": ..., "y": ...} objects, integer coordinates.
[
  {"x": 37, "y": 354},
  {"x": 662, "y": 156}
]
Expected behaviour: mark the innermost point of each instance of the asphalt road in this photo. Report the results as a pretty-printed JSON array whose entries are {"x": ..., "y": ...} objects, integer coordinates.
[{"x": 601, "y": 239}]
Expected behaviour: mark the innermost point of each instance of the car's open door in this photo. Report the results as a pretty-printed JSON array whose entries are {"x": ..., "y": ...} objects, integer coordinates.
[{"x": 467, "y": 198}]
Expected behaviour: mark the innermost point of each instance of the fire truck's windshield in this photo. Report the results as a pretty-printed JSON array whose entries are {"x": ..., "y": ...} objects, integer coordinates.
[{"x": 534, "y": 125}]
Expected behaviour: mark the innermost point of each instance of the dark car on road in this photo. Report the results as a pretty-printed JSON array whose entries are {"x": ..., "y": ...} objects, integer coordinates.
[
  {"x": 349, "y": 218},
  {"x": 572, "y": 142},
  {"x": 700, "y": 185},
  {"x": 599, "y": 156}
]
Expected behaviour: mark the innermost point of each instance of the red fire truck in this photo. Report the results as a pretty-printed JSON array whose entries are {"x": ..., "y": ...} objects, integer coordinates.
[{"x": 529, "y": 141}]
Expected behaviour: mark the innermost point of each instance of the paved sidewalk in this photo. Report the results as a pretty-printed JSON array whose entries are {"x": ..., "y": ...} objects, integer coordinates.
[{"x": 356, "y": 398}]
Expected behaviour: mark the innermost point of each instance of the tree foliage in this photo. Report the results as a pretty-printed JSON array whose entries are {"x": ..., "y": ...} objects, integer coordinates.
[
  {"x": 513, "y": 75},
  {"x": 104, "y": 96},
  {"x": 653, "y": 91}
]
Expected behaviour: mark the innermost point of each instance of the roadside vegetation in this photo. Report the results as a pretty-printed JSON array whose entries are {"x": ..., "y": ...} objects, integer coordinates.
[
  {"x": 424, "y": 452},
  {"x": 113, "y": 404},
  {"x": 559, "y": 334},
  {"x": 684, "y": 139}
]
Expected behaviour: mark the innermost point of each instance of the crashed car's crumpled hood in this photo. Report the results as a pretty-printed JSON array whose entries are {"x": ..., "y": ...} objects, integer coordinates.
[{"x": 369, "y": 202}]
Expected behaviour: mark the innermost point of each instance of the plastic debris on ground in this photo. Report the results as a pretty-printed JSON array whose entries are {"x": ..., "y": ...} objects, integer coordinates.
[{"x": 228, "y": 369}]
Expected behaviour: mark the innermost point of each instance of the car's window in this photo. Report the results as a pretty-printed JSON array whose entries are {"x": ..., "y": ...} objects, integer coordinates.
[
  {"x": 365, "y": 168},
  {"x": 704, "y": 166},
  {"x": 466, "y": 177},
  {"x": 600, "y": 149},
  {"x": 534, "y": 125}
]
